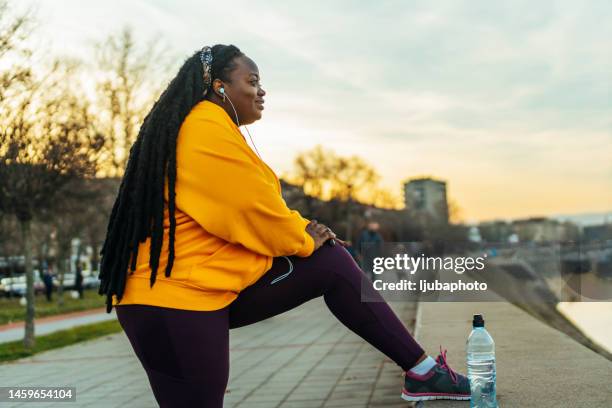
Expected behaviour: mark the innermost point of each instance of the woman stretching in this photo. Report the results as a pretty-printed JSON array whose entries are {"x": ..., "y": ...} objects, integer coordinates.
[{"x": 198, "y": 204}]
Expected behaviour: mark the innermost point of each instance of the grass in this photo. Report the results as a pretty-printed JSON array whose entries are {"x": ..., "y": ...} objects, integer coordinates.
[
  {"x": 15, "y": 349},
  {"x": 12, "y": 311}
]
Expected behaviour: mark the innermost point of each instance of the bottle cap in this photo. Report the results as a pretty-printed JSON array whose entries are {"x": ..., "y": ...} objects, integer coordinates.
[{"x": 478, "y": 321}]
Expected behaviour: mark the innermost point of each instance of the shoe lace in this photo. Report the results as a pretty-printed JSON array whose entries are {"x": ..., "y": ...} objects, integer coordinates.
[{"x": 441, "y": 360}]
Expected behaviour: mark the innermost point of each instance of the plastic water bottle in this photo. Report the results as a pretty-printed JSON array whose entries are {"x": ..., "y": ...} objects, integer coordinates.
[{"x": 481, "y": 365}]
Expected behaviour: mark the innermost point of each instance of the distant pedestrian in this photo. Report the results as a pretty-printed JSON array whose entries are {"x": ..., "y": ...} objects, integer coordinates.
[
  {"x": 47, "y": 278},
  {"x": 78, "y": 281},
  {"x": 369, "y": 245}
]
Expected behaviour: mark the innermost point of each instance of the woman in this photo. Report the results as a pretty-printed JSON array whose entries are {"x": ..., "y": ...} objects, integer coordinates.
[{"x": 198, "y": 203}]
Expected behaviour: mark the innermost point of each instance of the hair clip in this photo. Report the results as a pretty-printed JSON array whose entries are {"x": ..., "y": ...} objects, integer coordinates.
[{"x": 206, "y": 58}]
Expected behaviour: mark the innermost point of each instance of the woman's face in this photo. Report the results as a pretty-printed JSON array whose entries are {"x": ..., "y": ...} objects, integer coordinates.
[{"x": 245, "y": 91}]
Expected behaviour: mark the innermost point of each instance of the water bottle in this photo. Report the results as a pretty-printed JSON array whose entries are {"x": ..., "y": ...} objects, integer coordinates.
[{"x": 481, "y": 365}]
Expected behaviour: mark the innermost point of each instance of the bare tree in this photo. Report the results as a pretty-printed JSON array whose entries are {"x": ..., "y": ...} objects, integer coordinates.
[
  {"x": 12, "y": 32},
  {"x": 74, "y": 212},
  {"x": 455, "y": 213},
  {"x": 384, "y": 198},
  {"x": 105, "y": 189},
  {"x": 325, "y": 175},
  {"x": 352, "y": 178},
  {"x": 10, "y": 241},
  {"x": 46, "y": 143},
  {"x": 128, "y": 87},
  {"x": 311, "y": 170}
]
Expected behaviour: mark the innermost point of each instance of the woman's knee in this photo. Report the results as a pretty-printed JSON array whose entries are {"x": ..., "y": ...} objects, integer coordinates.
[{"x": 337, "y": 260}]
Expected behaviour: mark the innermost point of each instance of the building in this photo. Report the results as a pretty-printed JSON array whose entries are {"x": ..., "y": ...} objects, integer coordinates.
[
  {"x": 594, "y": 233},
  {"x": 541, "y": 229},
  {"x": 426, "y": 198},
  {"x": 496, "y": 231}
]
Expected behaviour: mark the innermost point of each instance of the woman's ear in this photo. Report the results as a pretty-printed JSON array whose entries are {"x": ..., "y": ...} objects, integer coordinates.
[{"x": 218, "y": 88}]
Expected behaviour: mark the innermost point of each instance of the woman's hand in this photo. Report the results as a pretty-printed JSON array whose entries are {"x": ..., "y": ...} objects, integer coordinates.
[{"x": 321, "y": 233}]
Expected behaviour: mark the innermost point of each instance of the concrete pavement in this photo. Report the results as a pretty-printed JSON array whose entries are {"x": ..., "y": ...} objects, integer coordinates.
[
  {"x": 537, "y": 366},
  {"x": 303, "y": 358},
  {"x": 306, "y": 358}
]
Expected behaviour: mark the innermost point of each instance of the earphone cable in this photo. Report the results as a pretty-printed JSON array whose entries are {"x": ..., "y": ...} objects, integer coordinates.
[
  {"x": 238, "y": 124},
  {"x": 253, "y": 143}
]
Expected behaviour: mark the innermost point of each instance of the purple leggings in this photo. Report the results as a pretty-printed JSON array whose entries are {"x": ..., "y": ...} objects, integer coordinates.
[{"x": 186, "y": 353}]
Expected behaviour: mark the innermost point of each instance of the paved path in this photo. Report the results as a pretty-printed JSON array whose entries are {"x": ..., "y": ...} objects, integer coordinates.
[
  {"x": 303, "y": 358},
  {"x": 50, "y": 324}
]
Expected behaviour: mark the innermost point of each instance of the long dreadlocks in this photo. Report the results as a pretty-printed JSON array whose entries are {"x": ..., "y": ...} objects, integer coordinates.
[{"x": 138, "y": 212}]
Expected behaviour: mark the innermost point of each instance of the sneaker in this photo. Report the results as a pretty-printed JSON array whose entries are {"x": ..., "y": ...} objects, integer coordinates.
[{"x": 441, "y": 382}]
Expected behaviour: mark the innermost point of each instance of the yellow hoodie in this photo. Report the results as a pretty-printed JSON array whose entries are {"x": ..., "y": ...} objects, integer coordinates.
[{"x": 231, "y": 220}]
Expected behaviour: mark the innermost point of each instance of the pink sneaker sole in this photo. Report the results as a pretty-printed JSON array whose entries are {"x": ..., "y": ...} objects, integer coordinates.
[{"x": 428, "y": 396}]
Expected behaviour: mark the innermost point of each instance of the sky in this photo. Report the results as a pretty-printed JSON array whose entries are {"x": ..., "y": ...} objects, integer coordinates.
[{"x": 509, "y": 102}]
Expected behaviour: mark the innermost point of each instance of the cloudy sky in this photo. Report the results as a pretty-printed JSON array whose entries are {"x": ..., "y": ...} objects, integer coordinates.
[{"x": 509, "y": 102}]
